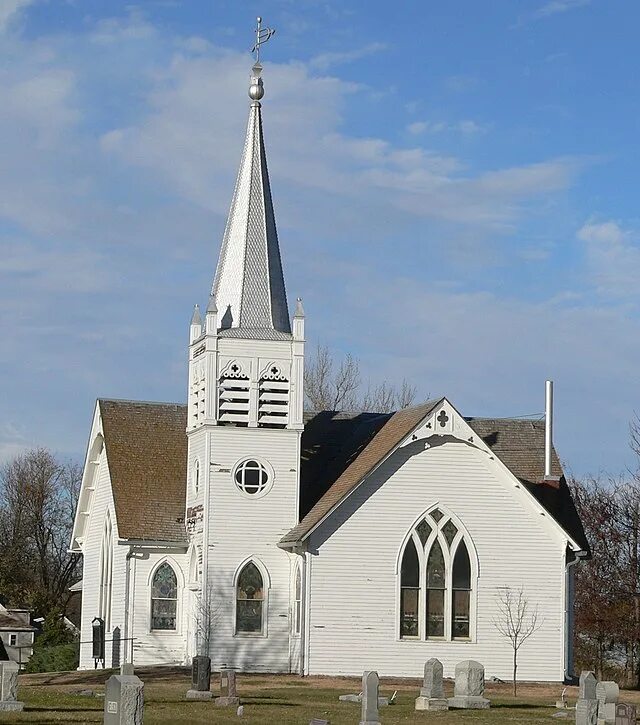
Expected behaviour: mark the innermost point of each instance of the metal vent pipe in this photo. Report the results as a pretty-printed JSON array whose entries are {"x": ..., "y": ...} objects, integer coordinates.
[{"x": 548, "y": 427}]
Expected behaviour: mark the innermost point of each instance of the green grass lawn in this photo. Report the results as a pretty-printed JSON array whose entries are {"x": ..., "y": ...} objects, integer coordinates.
[{"x": 273, "y": 699}]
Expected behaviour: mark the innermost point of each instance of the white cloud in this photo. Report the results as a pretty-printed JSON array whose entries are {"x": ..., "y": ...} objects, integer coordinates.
[
  {"x": 10, "y": 10},
  {"x": 466, "y": 127},
  {"x": 554, "y": 7},
  {"x": 613, "y": 256},
  {"x": 324, "y": 61}
]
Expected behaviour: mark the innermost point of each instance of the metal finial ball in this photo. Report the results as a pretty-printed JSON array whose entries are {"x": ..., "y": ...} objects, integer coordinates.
[
  {"x": 256, "y": 91},
  {"x": 259, "y": 19}
]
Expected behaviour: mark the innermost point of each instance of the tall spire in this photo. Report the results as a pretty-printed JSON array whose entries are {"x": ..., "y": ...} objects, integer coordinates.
[{"x": 249, "y": 283}]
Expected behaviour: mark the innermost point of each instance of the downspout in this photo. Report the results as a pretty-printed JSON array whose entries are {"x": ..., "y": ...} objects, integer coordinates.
[
  {"x": 568, "y": 616},
  {"x": 128, "y": 646},
  {"x": 306, "y": 622}
]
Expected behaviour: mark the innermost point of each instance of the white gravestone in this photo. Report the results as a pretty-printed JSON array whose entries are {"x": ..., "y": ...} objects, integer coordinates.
[
  {"x": 432, "y": 692},
  {"x": 370, "y": 689},
  {"x": 468, "y": 692},
  {"x": 607, "y": 694},
  {"x": 124, "y": 700},
  {"x": 587, "y": 705},
  {"x": 9, "y": 687},
  {"x": 587, "y": 712}
]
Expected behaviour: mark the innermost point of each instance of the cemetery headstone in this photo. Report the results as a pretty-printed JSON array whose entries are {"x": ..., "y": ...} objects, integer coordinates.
[
  {"x": 370, "y": 691},
  {"x": 124, "y": 700},
  {"x": 126, "y": 668},
  {"x": 607, "y": 694},
  {"x": 229, "y": 694},
  {"x": 432, "y": 691},
  {"x": 587, "y": 703},
  {"x": 468, "y": 692},
  {"x": 9, "y": 687},
  {"x": 588, "y": 684},
  {"x": 200, "y": 679},
  {"x": 625, "y": 714},
  {"x": 587, "y": 712},
  {"x": 319, "y": 721}
]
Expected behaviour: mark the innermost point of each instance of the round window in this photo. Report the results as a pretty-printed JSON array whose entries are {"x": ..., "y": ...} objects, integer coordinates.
[{"x": 252, "y": 477}]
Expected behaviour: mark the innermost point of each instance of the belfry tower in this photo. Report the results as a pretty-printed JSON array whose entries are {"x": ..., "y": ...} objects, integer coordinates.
[{"x": 244, "y": 426}]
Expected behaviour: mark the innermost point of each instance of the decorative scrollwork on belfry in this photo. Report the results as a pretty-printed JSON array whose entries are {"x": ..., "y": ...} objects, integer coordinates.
[
  {"x": 273, "y": 371},
  {"x": 234, "y": 370}
]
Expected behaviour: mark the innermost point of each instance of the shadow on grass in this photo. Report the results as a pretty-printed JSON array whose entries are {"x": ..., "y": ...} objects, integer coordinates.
[{"x": 518, "y": 706}]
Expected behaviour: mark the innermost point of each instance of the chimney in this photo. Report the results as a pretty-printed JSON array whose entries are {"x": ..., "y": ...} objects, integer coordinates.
[{"x": 548, "y": 433}]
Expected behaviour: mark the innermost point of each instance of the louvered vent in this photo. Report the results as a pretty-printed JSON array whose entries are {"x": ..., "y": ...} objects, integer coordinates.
[
  {"x": 273, "y": 400},
  {"x": 198, "y": 397},
  {"x": 233, "y": 396}
]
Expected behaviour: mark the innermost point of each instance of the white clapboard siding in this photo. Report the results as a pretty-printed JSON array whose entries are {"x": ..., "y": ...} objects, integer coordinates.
[
  {"x": 158, "y": 647},
  {"x": 243, "y": 527},
  {"x": 102, "y": 502},
  {"x": 353, "y": 600}
]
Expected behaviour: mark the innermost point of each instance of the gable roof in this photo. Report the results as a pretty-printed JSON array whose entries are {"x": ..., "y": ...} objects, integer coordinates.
[
  {"x": 518, "y": 443},
  {"x": 520, "y": 446},
  {"x": 146, "y": 448},
  {"x": 147, "y": 454},
  {"x": 395, "y": 428}
]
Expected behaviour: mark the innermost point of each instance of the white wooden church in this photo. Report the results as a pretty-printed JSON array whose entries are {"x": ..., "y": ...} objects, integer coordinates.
[{"x": 279, "y": 540}]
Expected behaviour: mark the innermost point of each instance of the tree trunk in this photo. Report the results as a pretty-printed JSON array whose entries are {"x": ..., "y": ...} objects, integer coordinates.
[{"x": 515, "y": 667}]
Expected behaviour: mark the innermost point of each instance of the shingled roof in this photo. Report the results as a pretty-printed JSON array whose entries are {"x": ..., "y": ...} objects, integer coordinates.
[
  {"x": 518, "y": 443},
  {"x": 146, "y": 448},
  {"x": 147, "y": 453}
]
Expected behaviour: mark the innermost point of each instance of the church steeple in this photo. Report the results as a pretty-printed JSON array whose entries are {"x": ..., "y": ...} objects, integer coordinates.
[{"x": 249, "y": 283}]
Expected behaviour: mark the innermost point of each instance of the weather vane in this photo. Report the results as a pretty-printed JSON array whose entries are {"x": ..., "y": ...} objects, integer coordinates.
[{"x": 262, "y": 35}]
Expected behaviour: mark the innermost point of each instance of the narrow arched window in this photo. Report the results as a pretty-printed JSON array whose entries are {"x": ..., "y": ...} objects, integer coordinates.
[
  {"x": 250, "y": 600},
  {"x": 106, "y": 573},
  {"x": 196, "y": 476},
  {"x": 461, "y": 587},
  {"x": 436, "y": 588},
  {"x": 297, "y": 605},
  {"x": 409, "y": 591},
  {"x": 164, "y": 598}
]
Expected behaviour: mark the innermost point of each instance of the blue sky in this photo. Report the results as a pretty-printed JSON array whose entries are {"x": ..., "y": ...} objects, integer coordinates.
[{"x": 455, "y": 188}]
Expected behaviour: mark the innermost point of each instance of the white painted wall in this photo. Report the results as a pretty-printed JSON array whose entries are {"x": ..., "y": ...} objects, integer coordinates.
[
  {"x": 353, "y": 607},
  {"x": 243, "y": 527}
]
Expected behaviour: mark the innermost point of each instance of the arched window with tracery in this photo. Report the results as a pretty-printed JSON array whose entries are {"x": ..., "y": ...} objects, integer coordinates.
[
  {"x": 250, "y": 600},
  {"x": 164, "y": 598},
  {"x": 106, "y": 573},
  {"x": 436, "y": 580}
]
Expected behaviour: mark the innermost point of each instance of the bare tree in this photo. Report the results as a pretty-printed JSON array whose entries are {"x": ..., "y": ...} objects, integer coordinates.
[
  {"x": 38, "y": 496},
  {"x": 515, "y": 621},
  {"x": 207, "y": 615},
  {"x": 338, "y": 386}
]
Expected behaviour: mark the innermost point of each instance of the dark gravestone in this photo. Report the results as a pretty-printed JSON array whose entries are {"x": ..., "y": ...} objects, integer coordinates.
[
  {"x": 4, "y": 657},
  {"x": 625, "y": 714},
  {"x": 201, "y": 673},
  {"x": 200, "y": 679},
  {"x": 115, "y": 648}
]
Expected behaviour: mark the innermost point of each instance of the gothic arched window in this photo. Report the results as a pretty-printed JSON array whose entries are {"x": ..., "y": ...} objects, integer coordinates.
[
  {"x": 164, "y": 598},
  {"x": 436, "y": 580},
  {"x": 436, "y": 590},
  {"x": 409, "y": 591},
  {"x": 461, "y": 594},
  {"x": 106, "y": 573},
  {"x": 250, "y": 600}
]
